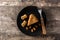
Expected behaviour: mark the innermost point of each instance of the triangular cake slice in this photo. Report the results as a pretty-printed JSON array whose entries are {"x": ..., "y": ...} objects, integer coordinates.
[{"x": 32, "y": 19}]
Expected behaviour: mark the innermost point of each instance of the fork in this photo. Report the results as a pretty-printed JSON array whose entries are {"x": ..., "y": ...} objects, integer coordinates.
[{"x": 42, "y": 23}]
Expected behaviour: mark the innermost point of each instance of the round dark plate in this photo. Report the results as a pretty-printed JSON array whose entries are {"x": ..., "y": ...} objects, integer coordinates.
[{"x": 30, "y": 10}]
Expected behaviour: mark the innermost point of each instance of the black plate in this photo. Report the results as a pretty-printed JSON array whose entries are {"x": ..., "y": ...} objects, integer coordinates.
[{"x": 28, "y": 10}]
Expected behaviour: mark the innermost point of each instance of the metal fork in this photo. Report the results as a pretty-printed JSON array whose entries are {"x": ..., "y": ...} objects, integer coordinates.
[{"x": 42, "y": 22}]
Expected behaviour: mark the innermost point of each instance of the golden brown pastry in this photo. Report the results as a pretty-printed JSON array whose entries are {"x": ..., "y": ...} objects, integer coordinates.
[
  {"x": 26, "y": 28},
  {"x": 31, "y": 30},
  {"x": 32, "y": 19},
  {"x": 23, "y": 23},
  {"x": 24, "y": 17},
  {"x": 34, "y": 28}
]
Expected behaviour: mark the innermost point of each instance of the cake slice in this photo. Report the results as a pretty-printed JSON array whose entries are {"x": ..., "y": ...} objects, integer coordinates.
[{"x": 32, "y": 19}]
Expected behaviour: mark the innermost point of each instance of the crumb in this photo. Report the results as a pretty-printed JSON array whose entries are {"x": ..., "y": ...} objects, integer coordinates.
[
  {"x": 26, "y": 28},
  {"x": 31, "y": 30},
  {"x": 34, "y": 28}
]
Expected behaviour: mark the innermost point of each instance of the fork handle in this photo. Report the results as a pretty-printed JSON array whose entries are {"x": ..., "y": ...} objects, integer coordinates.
[{"x": 43, "y": 27}]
